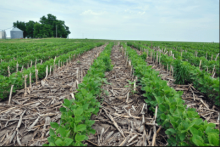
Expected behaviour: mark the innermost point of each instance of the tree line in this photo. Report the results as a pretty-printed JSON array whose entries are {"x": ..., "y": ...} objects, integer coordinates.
[{"x": 43, "y": 29}]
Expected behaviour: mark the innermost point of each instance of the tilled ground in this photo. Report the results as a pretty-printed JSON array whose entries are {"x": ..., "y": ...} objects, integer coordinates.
[
  {"x": 192, "y": 97},
  {"x": 123, "y": 118},
  {"x": 26, "y": 120}
]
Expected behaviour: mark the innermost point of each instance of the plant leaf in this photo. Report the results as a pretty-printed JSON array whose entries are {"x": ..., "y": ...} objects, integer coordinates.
[
  {"x": 79, "y": 138},
  {"x": 81, "y": 127},
  {"x": 54, "y": 125},
  {"x": 59, "y": 142},
  {"x": 78, "y": 111},
  {"x": 197, "y": 140},
  {"x": 68, "y": 141}
]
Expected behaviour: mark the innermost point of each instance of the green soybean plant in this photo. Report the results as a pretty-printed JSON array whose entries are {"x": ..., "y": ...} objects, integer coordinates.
[
  {"x": 75, "y": 124},
  {"x": 184, "y": 127}
]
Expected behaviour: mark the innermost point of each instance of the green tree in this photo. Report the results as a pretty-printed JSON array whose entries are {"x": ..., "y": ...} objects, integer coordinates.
[
  {"x": 30, "y": 28},
  {"x": 37, "y": 30},
  {"x": 62, "y": 29},
  {"x": 46, "y": 27}
]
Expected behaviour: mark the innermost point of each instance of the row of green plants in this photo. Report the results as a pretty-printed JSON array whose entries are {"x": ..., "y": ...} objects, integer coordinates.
[
  {"x": 10, "y": 51},
  {"x": 17, "y": 79},
  {"x": 44, "y": 55},
  {"x": 193, "y": 60},
  {"x": 184, "y": 127},
  {"x": 185, "y": 73},
  {"x": 75, "y": 124},
  {"x": 201, "y": 47}
]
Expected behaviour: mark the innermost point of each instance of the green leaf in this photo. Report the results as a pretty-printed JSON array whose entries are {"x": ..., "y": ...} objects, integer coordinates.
[
  {"x": 194, "y": 131},
  {"x": 170, "y": 131},
  {"x": 52, "y": 133},
  {"x": 159, "y": 99},
  {"x": 78, "y": 119},
  {"x": 84, "y": 92},
  {"x": 74, "y": 128},
  {"x": 62, "y": 109},
  {"x": 68, "y": 141},
  {"x": 92, "y": 131},
  {"x": 54, "y": 125},
  {"x": 89, "y": 122},
  {"x": 197, "y": 121},
  {"x": 68, "y": 134},
  {"x": 162, "y": 108},
  {"x": 59, "y": 142},
  {"x": 66, "y": 103},
  {"x": 51, "y": 139},
  {"x": 163, "y": 116},
  {"x": 197, "y": 140},
  {"x": 171, "y": 141},
  {"x": 96, "y": 110},
  {"x": 78, "y": 144},
  {"x": 79, "y": 138},
  {"x": 91, "y": 109},
  {"x": 46, "y": 145},
  {"x": 182, "y": 136},
  {"x": 174, "y": 123},
  {"x": 62, "y": 131},
  {"x": 51, "y": 144},
  {"x": 78, "y": 111},
  {"x": 210, "y": 129},
  {"x": 85, "y": 107},
  {"x": 213, "y": 139},
  {"x": 81, "y": 127}
]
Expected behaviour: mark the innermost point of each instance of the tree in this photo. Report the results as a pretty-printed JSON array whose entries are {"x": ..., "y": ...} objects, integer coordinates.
[
  {"x": 46, "y": 27},
  {"x": 62, "y": 29},
  {"x": 30, "y": 28},
  {"x": 37, "y": 30}
]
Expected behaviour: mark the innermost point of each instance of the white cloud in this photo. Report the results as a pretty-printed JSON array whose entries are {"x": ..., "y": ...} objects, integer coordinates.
[
  {"x": 90, "y": 12},
  {"x": 141, "y": 13}
]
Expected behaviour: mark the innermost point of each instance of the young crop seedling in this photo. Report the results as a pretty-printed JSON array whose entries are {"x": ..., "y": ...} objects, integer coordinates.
[
  {"x": 78, "y": 62},
  {"x": 131, "y": 86}
]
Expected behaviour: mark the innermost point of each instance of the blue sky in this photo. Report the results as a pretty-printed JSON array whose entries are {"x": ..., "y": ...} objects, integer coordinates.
[{"x": 161, "y": 20}]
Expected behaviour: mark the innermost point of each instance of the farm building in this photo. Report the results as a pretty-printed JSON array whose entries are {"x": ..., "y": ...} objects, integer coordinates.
[
  {"x": 16, "y": 33},
  {"x": 2, "y": 35}
]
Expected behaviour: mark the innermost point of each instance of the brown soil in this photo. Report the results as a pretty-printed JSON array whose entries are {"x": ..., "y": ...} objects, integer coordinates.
[{"x": 26, "y": 120}]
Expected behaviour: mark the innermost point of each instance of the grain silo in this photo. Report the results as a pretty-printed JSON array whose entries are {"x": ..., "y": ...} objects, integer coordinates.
[
  {"x": 16, "y": 33},
  {"x": 2, "y": 35}
]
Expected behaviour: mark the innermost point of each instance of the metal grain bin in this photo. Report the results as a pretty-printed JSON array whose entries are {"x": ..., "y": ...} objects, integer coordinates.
[
  {"x": 16, "y": 33},
  {"x": 2, "y": 35}
]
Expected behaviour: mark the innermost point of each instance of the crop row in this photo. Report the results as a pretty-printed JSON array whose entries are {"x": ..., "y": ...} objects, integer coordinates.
[
  {"x": 75, "y": 124},
  {"x": 203, "y": 49},
  {"x": 186, "y": 73},
  {"x": 209, "y": 66},
  {"x": 10, "y": 51},
  {"x": 44, "y": 55},
  {"x": 17, "y": 79},
  {"x": 184, "y": 127}
]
